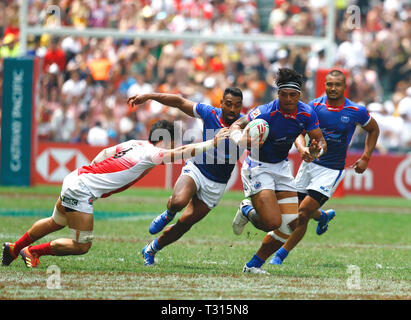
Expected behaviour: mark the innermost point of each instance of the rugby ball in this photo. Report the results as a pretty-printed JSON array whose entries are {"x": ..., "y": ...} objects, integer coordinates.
[{"x": 258, "y": 128}]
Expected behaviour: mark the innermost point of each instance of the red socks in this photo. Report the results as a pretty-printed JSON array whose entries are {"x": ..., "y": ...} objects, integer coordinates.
[
  {"x": 43, "y": 249},
  {"x": 23, "y": 242},
  {"x": 39, "y": 250}
]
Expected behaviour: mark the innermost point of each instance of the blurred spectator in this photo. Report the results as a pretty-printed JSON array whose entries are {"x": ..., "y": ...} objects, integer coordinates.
[
  {"x": 99, "y": 67},
  {"x": 54, "y": 55},
  {"x": 10, "y": 47},
  {"x": 97, "y": 135},
  {"x": 74, "y": 86},
  {"x": 404, "y": 110}
]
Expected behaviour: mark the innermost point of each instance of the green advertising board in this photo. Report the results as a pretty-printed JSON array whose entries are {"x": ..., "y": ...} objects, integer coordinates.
[{"x": 17, "y": 125}]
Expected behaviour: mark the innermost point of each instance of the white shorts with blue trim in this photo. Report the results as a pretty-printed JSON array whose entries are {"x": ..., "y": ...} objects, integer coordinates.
[
  {"x": 257, "y": 176},
  {"x": 208, "y": 191},
  {"x": 311, "y": 176}
]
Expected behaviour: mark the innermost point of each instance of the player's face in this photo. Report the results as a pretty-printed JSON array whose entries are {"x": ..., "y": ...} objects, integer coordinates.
[
  {"x": 231, "y": 107},
  {"x": 334, "y": 87},
  {"x": 288, "y": 99}
]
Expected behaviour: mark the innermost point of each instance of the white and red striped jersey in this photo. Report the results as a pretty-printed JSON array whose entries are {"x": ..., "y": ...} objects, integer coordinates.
[{"x": 132, "y": 161}]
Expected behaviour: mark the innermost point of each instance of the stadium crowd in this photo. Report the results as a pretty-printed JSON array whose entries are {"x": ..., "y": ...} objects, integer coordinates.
[{"x": 86, "y": 81}]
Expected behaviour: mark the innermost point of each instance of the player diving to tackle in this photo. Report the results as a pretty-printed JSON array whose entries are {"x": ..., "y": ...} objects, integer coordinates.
[
  {"x": 317, "y": 179},
  {"x": 204, "y": 178},
  {"x": 268, "y": 180},
  {"x": 113, "y": 170}
]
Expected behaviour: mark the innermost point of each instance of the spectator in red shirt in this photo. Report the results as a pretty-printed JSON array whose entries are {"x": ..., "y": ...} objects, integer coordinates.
[{"x": 54, "y": 55}]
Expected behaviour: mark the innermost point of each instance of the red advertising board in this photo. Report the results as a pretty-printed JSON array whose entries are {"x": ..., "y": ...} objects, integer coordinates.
[{"x": 387, "y": 175}]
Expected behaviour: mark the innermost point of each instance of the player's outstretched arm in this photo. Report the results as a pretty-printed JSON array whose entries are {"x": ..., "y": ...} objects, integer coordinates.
[
  {"x": 168, "y": 99},
  {"x": 190, "y": 150},
  {"x": 373, "y": 131}
]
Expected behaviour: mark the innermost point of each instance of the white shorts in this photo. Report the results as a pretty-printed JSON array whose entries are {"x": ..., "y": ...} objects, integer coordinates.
[
  {"x": 208, "y": 191},
  {"x": 311, "y": 176},
  {"x": 75, "y": 195},
  {"x": 257, "y": 176}
]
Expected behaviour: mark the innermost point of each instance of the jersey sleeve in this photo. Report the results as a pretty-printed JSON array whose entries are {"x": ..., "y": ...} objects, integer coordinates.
[
  {"x": 155, "y": 155},
  {"x": 201, "y": 110},
  {"x": 259, "y": 112},
  {"x": 312, "y": 121},
  {"x": 363, "y": 116}
]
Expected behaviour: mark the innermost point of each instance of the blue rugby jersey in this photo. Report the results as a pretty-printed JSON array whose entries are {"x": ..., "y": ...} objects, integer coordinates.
[
  {"x": 338, "y": 125},
  {"x": 218, "y": 163},
  {"x": 284, "y": 128}
]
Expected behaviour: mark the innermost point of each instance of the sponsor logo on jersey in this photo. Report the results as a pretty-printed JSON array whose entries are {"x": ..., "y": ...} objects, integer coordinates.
[
  {"x": 324, "y": 189},
  {"x": 257, "y": 185},
  {"x": 255, "y": 114},
  {"x": 69, "y": 201},
  {"x": 345, "y": 119}
]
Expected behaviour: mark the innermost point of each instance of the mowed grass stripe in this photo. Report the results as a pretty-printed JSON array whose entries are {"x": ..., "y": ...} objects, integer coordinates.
[
  {"x": 197, "y": 287},
  {"x": 104, "y": 215}
]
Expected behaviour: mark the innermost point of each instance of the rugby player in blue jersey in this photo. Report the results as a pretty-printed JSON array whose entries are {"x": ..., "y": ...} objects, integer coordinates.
[
  {"x": 204, "y": 178},
  {"x": 317, "y": 179},
  {"x": 266, "y": 175}
]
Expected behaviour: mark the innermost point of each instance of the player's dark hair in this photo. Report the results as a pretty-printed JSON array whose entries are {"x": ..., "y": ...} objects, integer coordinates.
[
  {"x": 234, "y": 92},
  {"x": 336, "y": 73},
  {"x": 157, "y": 131},
  {"x": 286, "y": 75}
]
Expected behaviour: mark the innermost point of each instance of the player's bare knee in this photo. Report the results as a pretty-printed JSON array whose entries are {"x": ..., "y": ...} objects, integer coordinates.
[
  {"x": 272, "y": 224},
  {"x": 82, "y": 248},
  {"x": 177, "y": 203}
]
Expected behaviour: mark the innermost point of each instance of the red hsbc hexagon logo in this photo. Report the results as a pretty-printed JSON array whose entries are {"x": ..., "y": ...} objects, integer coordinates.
[
  {"x": 403, "y": 178},
  {"x": 53, "y": 164}
]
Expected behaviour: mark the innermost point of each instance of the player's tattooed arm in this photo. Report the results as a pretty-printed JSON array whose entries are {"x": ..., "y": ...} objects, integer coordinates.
[{"x": 168, "y": 99}]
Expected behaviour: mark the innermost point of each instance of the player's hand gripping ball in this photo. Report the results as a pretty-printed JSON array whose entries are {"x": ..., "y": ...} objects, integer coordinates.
[{"x": 259, "y": 128}]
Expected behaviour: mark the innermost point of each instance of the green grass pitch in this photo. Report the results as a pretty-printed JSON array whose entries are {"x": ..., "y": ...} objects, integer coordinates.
[{"x": 365, "y": 254}]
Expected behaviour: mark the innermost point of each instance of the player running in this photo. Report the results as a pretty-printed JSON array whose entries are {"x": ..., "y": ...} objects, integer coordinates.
[
  {"x": 317, "y": 179},
  {"x": 268, "y": 180},
  {"x": 204, "y": 178},
  {"x": 113, "y": 170}
]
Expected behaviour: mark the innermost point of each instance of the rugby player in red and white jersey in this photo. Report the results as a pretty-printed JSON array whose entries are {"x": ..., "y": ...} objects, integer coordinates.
[{"x": 113, "y": 170}]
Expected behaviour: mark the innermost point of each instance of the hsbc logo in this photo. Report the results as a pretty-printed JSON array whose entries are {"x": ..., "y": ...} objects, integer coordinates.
[
  {"x": 53, "y": 164},
  {"x": 354, "y": 181},
  {"x": 403, "y": 178}
]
